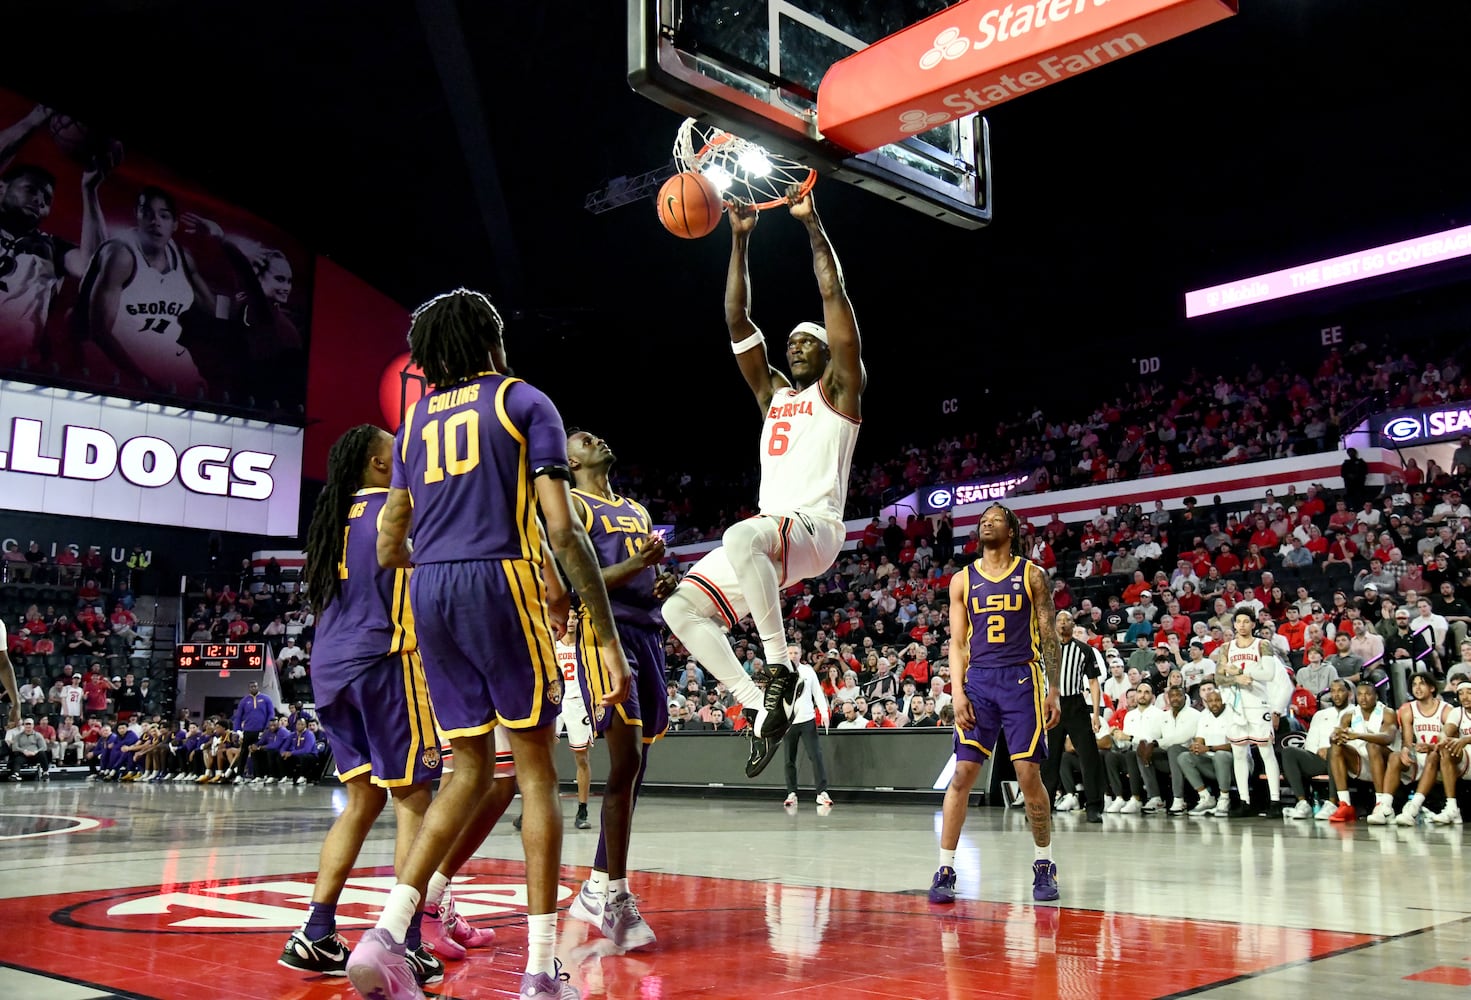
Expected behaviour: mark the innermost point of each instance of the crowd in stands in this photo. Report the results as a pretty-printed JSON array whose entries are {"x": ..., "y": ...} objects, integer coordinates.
[{"x": 1151, "y": 428}]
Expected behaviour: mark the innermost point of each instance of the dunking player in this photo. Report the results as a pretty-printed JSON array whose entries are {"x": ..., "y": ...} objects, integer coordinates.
[
  {"x": 1251, "y": 668},
  {"x": 1002, "y": 637},
  {"x": 369, "y": 688},
  {"x": 630, "y": 558},
  {"x": 475, "y": 459},
  {"x": 811, "y": 426}
]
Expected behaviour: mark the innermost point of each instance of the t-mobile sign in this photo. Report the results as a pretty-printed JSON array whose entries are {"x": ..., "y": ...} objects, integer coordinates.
[
  {"x": 80, "y": 454},
  {"x": 1402, "y": 256}
]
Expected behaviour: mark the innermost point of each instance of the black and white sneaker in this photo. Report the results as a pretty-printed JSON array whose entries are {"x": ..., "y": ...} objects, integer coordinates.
[
  {"x": 763, "y": 750},
  {"x": 325, "y": 957},
  {"x": 782, "y": 690},
  {"x": 426, "y": 965}
]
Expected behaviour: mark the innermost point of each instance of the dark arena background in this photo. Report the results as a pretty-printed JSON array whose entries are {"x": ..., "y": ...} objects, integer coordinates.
[{"x": 1184, "y": 284}]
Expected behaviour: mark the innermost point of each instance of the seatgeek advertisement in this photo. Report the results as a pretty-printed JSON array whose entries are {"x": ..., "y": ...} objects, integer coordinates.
[{"x": 82, "y": 454}]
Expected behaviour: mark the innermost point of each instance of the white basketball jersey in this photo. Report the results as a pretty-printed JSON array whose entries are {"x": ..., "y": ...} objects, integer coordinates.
[
  {"x": 1248, "y": 658},
  {"x": 150, "y": 311},
  {"x": 1426, "y": 728},
  {"x": 1370, "y": 726},
  {"x": 567, "y": 661},
  {"x": 1461, "y": 719},
  {"x": 28, "y": 284},
  {"x": 806, "y": 454}
]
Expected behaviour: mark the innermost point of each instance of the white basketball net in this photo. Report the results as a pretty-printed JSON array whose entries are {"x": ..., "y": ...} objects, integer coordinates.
[{"x": 741, "y": 170}]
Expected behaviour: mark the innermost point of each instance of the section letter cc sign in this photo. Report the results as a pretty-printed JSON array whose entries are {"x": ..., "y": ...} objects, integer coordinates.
[{"x": 979, "y": 53}]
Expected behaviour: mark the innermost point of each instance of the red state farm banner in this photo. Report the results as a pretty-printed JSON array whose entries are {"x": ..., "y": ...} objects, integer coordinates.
[{"x": 980, "y": 53}]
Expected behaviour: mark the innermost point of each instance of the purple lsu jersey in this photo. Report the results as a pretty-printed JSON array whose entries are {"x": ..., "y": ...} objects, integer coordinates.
[
  {"x": 619, "y": 528},
  {"x": 1000, "y": 620},
  {"x": 371, "y": 617},
  {"x": 468, "y": 454}
]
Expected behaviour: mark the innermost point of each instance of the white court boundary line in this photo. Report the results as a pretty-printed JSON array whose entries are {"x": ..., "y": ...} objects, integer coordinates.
[{"x": 80, "y": 825}]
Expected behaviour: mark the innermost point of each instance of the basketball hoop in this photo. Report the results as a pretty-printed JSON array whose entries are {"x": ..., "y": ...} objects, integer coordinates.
[{"x": 741, "y": 171}]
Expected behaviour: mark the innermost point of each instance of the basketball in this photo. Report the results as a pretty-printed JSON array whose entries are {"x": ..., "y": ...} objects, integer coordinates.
[
  {"x": 689, "y": 206},
  {"x": 82, "y": 145}
]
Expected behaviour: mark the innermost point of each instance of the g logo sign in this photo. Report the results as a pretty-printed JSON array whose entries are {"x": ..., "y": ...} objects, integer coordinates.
[
  {"x": 1402, "y": 429},
  {"x": 939, "y": 499}
]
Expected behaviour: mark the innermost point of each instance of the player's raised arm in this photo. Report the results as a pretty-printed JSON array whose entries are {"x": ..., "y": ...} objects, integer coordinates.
[
  {"x": 845, "y": 377},
  {"x": 745, "y": 339}
]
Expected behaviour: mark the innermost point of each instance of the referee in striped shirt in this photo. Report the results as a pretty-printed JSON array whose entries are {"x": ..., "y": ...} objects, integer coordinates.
[{"x": 1081, "y": 666}]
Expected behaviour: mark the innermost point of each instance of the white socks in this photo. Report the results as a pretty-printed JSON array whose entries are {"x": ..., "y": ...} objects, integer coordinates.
[
  {"x": 752, "y": 546},
  {"x": 598, "y": 882},
  {"x": 1383, "y": 799},
  {"x": 1042, "y": 853},
  {"x": 707, "y": 643},
  {"x": 438, "y": 882},
  {"x": 617, "y": 887},
  {"x": 947, "y": 858},
  {"x": 1343, "y": 797},
  {"x": 541, "y": 943},
  {"x": 403, "y": 903}
]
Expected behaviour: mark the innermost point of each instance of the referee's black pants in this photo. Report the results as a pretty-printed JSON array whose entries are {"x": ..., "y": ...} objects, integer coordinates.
[
  {"x": 1077, "y": 722},
  {"x": 805, "y": 735}
]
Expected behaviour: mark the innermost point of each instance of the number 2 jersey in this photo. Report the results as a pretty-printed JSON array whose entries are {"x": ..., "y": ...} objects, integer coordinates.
[
  {"x": 371, "y": 618},
  {"x": 1001, "y": 618},
  {"x": 468, "y": 454}
]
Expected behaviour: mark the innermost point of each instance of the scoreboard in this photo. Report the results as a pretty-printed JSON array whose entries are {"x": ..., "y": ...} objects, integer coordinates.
[{"x": 220, "y": 656}]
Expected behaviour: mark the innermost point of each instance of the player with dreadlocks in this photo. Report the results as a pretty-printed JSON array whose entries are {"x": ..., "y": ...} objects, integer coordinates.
[
  {"x": 478, "y": 463},
  {"x": 1001, "y": 639},
  {"x": 369, "y": 689}
]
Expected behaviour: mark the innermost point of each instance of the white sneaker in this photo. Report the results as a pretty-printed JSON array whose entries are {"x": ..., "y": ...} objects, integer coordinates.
[
  {"x": 1381, "y": 815},
  {"x": 1223, "y": 806},
  {"x": 790, "y": 800},
  {"x": 301, "y": 781},
  {"x": 1206, "y": 804},
  {"x": 587, "y": 906},
  {"x": 824, "y": 799},
  {"x": 1325, "y": 811},
  {"x": 1113, "y": 805},
  {"x": 1450, "y": 814},
  {"x": 1067, "y": 803},
  {"x": 1407, "y": 814},
  {"x": 1131, "y": 808},
  {"x": 270, "y": 781},
  {"x": 1154, "y": 803},
  {"x": 1303, "y": 810},
  {"x": 1177, "y": 807}
]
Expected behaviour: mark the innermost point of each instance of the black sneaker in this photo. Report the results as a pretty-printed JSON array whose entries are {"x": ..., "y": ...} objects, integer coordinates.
[
  {"x": 516, "y": 822},
  {"x": 326, "y": 956},
  {"x": 581, "y": 821},
  {"x": 426, "y": 966},
  {"x": 782, "y": 690},
  {"x": 1273, "y": 810}
]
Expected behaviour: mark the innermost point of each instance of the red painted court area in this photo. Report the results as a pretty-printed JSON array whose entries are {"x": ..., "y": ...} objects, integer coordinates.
[{"x": 717, "y": 938}]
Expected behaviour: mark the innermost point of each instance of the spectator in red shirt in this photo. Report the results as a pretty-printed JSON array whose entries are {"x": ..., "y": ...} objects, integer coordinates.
[
  {"x": 873, "y": 535},
  {"x": 1316, "y": 543},
  {"x": 96, "y": 688},
  {"x": 1342, "y": 518},
  {"x": 1262, "y": 536},
  {"x": 1226, "y": 562},
  {"x": 1313, "y": 505},
  {"x": 1189, "y": 600},
  {"x": 1292, "y": 629},
  {"x": 1133, "y": 590}
]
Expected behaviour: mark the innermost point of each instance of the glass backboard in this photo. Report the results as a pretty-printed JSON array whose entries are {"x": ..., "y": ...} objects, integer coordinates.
[{"x": 754, "y": 67}]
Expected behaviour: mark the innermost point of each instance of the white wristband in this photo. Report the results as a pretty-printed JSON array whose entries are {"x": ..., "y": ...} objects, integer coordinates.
[{"x": 752, "y": 342}]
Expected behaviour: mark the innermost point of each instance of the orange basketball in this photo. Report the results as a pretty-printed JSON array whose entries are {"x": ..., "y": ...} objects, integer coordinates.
[{"x": 689, "y": 206}]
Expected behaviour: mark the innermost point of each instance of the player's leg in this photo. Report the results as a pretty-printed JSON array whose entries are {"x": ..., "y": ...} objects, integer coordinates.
[
  {"x": 1452, "y": 769},
  {"x": 1021, "y": 696},
  {"x": 629, "y": 730},
  {"x": 1428, "y": 765},
  {"x": 708, "y": 596},
  {"x": 972, "y": 747},
  {"x": 757, "y": 549},
  {"x": 584, "y": 785},
  {"x": 1386, "y": 781},
  {"x": 541, "y": 841},
  {"x": 1241, "y": 765}
]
